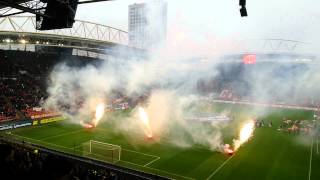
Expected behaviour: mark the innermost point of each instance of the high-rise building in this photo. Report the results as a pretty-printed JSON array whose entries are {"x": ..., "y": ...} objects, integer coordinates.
[{"x": 148, "y": 24}]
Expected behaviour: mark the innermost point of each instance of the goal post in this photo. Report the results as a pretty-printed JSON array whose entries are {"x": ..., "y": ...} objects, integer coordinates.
[{"x": 102, "y": 151}]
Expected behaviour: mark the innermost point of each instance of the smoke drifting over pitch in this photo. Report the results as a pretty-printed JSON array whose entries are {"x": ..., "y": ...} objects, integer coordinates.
[
  {"x": 170, "y": 74},
  {"x": 176, "y": 81}
]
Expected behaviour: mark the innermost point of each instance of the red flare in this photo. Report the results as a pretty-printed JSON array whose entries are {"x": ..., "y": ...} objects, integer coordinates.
[{"x": 227, "y": 149}]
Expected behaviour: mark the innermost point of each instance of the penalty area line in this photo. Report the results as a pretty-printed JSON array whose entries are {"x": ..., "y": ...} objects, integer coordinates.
[
  {"x": 43, "y": 142},
  {"x": 62, "y": 134},
  {"x": 221, "y": 166},
  {"x": 184, "y": 177},
  {"x": 317, "y": 145},
  {"x": 123, "y": 149},
  {"x": 310, "y": 163},
  {"x": 156, "y": 159},
  {"x": 137, "y": 152}
]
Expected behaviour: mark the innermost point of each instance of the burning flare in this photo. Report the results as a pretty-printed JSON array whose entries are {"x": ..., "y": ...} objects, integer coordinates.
[
  {"x": 86, "y": 125},
  {"x": 227, "y": 149},
  {"x": 99, "y": 114},
  {"x": 145, "y": 120},
  {"x": 245, "y": 133}
]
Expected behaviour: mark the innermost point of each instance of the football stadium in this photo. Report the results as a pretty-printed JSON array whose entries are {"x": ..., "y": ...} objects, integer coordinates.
[{"x": 84, "y": 100}]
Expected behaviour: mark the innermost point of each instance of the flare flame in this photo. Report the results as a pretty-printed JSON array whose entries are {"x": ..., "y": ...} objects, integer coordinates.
[
  {"x": 145, "y": 120},
  {"x": 99, "y": 114},
  {"x": 245, "y": 133}
]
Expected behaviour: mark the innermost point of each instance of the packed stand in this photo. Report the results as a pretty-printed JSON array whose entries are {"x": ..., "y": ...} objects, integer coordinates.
[{"x": 23, "y": 79}]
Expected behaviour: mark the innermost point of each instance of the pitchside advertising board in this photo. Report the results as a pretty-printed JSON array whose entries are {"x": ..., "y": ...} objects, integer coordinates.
[
  {"x": 48, "y": 120},
  {"x": 13, "y": 125},
  {"x": 24, "y": 123},
  {"x": 249, "y": 59}
]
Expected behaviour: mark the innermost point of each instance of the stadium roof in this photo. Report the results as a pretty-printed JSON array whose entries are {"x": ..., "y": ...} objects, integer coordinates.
[
  {"x": 15, "y": 1},
  {"x": 82, "y": 30},
  {"x": 20, "y": 31},
  {"x": 10, "y": 7},
  {"x": 14, "y": 7}
]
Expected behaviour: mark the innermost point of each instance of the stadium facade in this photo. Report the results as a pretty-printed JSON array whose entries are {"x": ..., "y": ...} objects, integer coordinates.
[{"x": 147, "y": 24}]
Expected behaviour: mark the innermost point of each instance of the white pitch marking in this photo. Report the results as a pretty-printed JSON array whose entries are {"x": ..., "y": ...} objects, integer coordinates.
[
  {"x": 120, "y": 160},
  {"x": 42, "y": 141},
  {"x": 151, "y": 162},
  {"x": 310, "y": 164},
  {"x": 129, "y": 149},
  {"x": 224, "y": 163},
  {"x": 140, "y": 153},
  {"x": 317, "y": 145},
  {"x": 123, "y": 149},
  {"x": 158, "y": 170},
  {"x": 62, "y": 134}
]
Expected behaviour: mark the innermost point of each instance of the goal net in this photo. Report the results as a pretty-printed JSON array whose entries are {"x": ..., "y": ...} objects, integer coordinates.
[{"x": 102, "y": 151}]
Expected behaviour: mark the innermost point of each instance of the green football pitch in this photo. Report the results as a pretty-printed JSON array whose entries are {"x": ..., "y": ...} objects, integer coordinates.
[{"x": 269, "y": 154}]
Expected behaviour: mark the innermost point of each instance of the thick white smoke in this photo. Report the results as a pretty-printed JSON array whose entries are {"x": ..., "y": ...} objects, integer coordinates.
[
  {"x": 171, "y": 83},
  {"x": 170, "y": 76}
]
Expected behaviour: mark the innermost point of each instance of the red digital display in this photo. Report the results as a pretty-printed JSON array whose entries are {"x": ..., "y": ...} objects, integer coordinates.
[{"x": 249, "y": 59}]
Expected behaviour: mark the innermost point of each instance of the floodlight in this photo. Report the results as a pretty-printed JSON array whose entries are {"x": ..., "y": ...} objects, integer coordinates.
[{"x": 243, "y": 11}]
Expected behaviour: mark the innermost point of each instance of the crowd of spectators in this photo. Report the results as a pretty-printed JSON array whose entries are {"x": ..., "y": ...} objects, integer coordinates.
[
  {"x": 233, "y": 95},
  {"x": 6, "y": 112},
  {"x": 23, "y": 81}
]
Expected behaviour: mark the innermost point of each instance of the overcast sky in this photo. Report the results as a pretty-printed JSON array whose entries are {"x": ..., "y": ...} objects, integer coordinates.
[{"x": 288, "y": 19}]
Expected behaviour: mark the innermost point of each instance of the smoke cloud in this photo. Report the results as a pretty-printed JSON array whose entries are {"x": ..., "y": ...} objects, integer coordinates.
[
  {"x": 169, "y": 77},
  {"x": 169, "y": 81}
]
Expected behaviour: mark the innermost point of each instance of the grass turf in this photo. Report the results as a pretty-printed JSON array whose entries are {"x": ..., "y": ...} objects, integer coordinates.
[{"x": 270, "y": 154}]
